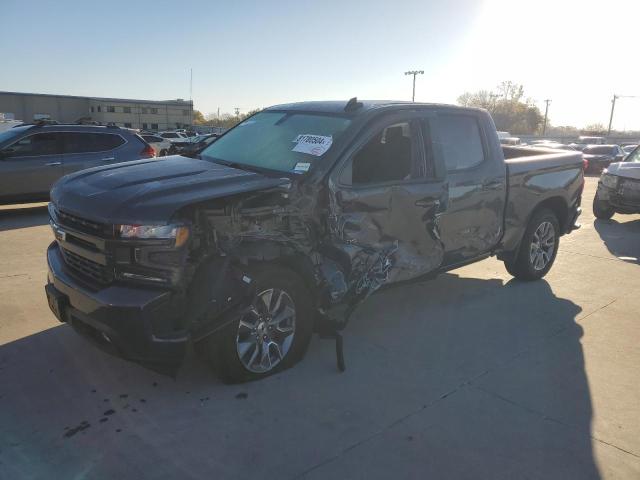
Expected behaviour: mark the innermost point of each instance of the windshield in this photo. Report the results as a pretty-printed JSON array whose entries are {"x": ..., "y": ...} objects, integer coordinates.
[
  {"x": 287, "y": 142},
  {"x": 633, "y": 156},
  {"x": 599, "y": 151}
]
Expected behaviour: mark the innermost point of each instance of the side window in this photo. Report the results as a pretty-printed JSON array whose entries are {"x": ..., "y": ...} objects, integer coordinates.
[
  {"x": 460, "y": 141},
  {"x": 389, "y": 156},
  {"x": 91, "y": 142},
  {"x": 37, "y": 145}
]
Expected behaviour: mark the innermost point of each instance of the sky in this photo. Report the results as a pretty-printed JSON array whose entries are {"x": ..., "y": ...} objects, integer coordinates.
[{"x": 252, "y": 54}]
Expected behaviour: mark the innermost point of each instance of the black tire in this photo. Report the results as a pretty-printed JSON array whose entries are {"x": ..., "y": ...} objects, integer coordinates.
[
  {"x": 602, "y": 209},
  {"x": 221, "y": 350},
  {"x": 523, "y": 266},
  {"x": 162, "y": 153}
]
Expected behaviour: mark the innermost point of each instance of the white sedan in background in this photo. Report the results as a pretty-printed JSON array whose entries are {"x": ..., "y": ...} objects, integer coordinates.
[{"x": 162, "y": 146}]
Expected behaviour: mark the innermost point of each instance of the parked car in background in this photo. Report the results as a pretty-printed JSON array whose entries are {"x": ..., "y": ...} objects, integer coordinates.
[
  {"x": 33, "y": 157},
  {"x": 198, "y": 143},
  {"x": 178, "y": 139},
  {"x": 161, "y": 146},
  {"x": 627, "y": 149},
  {"x": 510, "y": 141},
  {"x": 584, "y": 141},
  {"x": 619, "y": 188},
  {"x": 289, "y": 221},
  {"x": 551, "y": 144},
  {"x": 598, "y": 157}
]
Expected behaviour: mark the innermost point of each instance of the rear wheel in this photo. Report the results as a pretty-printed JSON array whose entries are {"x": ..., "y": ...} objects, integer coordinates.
[
  {"x": 162, "y": 153},
  {"x": 602, "y": 209},
  {"x": 538, "y": 248},
  {"x": 271, "y": 336}
]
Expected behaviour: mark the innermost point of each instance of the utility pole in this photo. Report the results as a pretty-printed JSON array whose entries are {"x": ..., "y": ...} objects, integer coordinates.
[
  {"x": 546, "y": 113},
  {"x": 237, "y": 109},
  {"x": 191, "y": 98},
  {"x": 414, "y": 73},
  {"x": 613, "y": 106}
]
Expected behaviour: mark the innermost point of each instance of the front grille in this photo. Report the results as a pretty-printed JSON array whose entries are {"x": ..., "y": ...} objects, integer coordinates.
[
  {"x": 82, "y": 224},
  {"x": 87, "y": 268}
]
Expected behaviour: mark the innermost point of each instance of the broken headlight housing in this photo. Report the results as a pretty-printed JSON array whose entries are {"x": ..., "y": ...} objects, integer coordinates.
[
  {"x": 609, "y": 181},
  {"x": 179, "y": 233}
]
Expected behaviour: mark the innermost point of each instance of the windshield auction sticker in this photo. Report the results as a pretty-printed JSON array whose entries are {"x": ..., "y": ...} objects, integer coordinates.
[
  {"x": 302, "y": 167},
  {"x": 312, "y": 144}
]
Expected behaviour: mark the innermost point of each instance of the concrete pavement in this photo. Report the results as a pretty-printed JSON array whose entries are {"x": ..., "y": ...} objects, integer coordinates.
[{"x": 472, "y": 375}]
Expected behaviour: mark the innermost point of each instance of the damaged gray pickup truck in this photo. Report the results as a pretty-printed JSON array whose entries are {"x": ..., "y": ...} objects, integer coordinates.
[{"x": 287, "y": 222}]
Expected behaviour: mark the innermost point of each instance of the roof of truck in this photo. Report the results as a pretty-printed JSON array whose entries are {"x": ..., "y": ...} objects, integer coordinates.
[{"x": 338, "y": 106}]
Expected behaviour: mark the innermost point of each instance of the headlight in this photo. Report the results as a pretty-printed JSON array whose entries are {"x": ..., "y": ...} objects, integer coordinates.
[
  {"x": 158, "y": 232},
  {"x": 610, "y": 181}
]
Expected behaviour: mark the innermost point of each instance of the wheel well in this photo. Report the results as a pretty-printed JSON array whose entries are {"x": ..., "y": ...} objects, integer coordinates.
[{"x": 559, "y": 208}]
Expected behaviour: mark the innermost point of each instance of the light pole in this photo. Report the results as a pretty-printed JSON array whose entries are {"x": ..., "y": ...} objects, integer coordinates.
[
  {"x": 414, "y": 73},
  {"x": 546, "y": 112},
  {"x": 613, "y": 107}
]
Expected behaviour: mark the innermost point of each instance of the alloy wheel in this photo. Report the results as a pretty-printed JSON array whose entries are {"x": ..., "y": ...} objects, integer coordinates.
[
  {"x": 266, "y": 331},
  {"x": 542, "y": 245}
]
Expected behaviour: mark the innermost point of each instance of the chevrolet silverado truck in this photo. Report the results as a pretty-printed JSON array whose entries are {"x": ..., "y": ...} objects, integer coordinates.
[
  {"x": 288, "y": 221},
  {"x": 619, "y": 188}
]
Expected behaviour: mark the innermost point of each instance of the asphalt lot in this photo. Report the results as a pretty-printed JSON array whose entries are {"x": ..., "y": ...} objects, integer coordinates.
[{"x": 472, "y": 375}]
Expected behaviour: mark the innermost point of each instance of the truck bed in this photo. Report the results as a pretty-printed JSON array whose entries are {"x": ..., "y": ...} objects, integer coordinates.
[{"x": 533, "y": 175}]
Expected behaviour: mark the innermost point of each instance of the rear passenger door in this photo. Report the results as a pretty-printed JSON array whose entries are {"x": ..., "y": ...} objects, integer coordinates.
[
  {"x": 33, "y": 164},
  {"x": 88, "y": 149},
  {"x": 473, "y": 222}
]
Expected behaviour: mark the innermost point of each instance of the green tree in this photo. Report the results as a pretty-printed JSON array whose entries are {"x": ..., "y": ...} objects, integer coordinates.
[
  {"x": 198, "y": 118},
  {"x": 508, "y": 107}
]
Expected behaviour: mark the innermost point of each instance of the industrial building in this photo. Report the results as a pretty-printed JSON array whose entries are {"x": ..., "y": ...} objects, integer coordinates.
[{"x": 155, "y": 115}]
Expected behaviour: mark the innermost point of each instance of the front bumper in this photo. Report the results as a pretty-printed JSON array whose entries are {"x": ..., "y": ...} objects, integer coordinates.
[
  {"x": 133, "y": 323},
  {"x": 621, "y": 200}
]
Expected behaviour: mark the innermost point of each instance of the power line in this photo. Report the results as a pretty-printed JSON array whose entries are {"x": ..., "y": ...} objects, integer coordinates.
[{"x": 414, "y": 73}]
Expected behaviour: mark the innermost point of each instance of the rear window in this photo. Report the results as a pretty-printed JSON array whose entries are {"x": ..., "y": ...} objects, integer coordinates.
[
  {"x": 460, "y": 141},
  {"x": 169, "y": 135},
  {"x": 85, "y": 142},
  {"x": 600, "y": 150}
]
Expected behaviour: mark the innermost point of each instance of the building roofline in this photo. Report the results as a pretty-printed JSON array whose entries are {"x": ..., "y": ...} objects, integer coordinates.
[{"x": 105, "y": 99}]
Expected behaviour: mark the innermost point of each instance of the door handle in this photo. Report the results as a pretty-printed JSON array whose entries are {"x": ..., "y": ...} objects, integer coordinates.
[
  {"x": 106, "y": 159},
  {"x": 53, "y": 164},
  {"x": 492, "y": 185},
  {"x": 428, "y": 203}
]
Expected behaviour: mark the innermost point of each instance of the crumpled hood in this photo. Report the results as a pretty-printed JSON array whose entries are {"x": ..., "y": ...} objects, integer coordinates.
[
  {"x": 151, "y": 191},
  {"x": 625, "y": 169}
]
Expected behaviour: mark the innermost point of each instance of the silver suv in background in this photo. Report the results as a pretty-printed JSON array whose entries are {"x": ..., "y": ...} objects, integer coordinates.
[{"x": 33, "y": 157}]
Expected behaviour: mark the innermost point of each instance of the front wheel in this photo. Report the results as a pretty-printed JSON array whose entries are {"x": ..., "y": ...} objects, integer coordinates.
[
  {"x": 272, "y": 335},
  {"x": 538, "y": 248},
  {"x": 602, "y": 209}
]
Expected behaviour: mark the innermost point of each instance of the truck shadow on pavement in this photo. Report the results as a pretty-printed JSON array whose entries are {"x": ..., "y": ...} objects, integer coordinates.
[
  {"x": 456, "y": 377},
  {"x": 21, "y": 217},
  {"x": 622, "y": 239}
]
